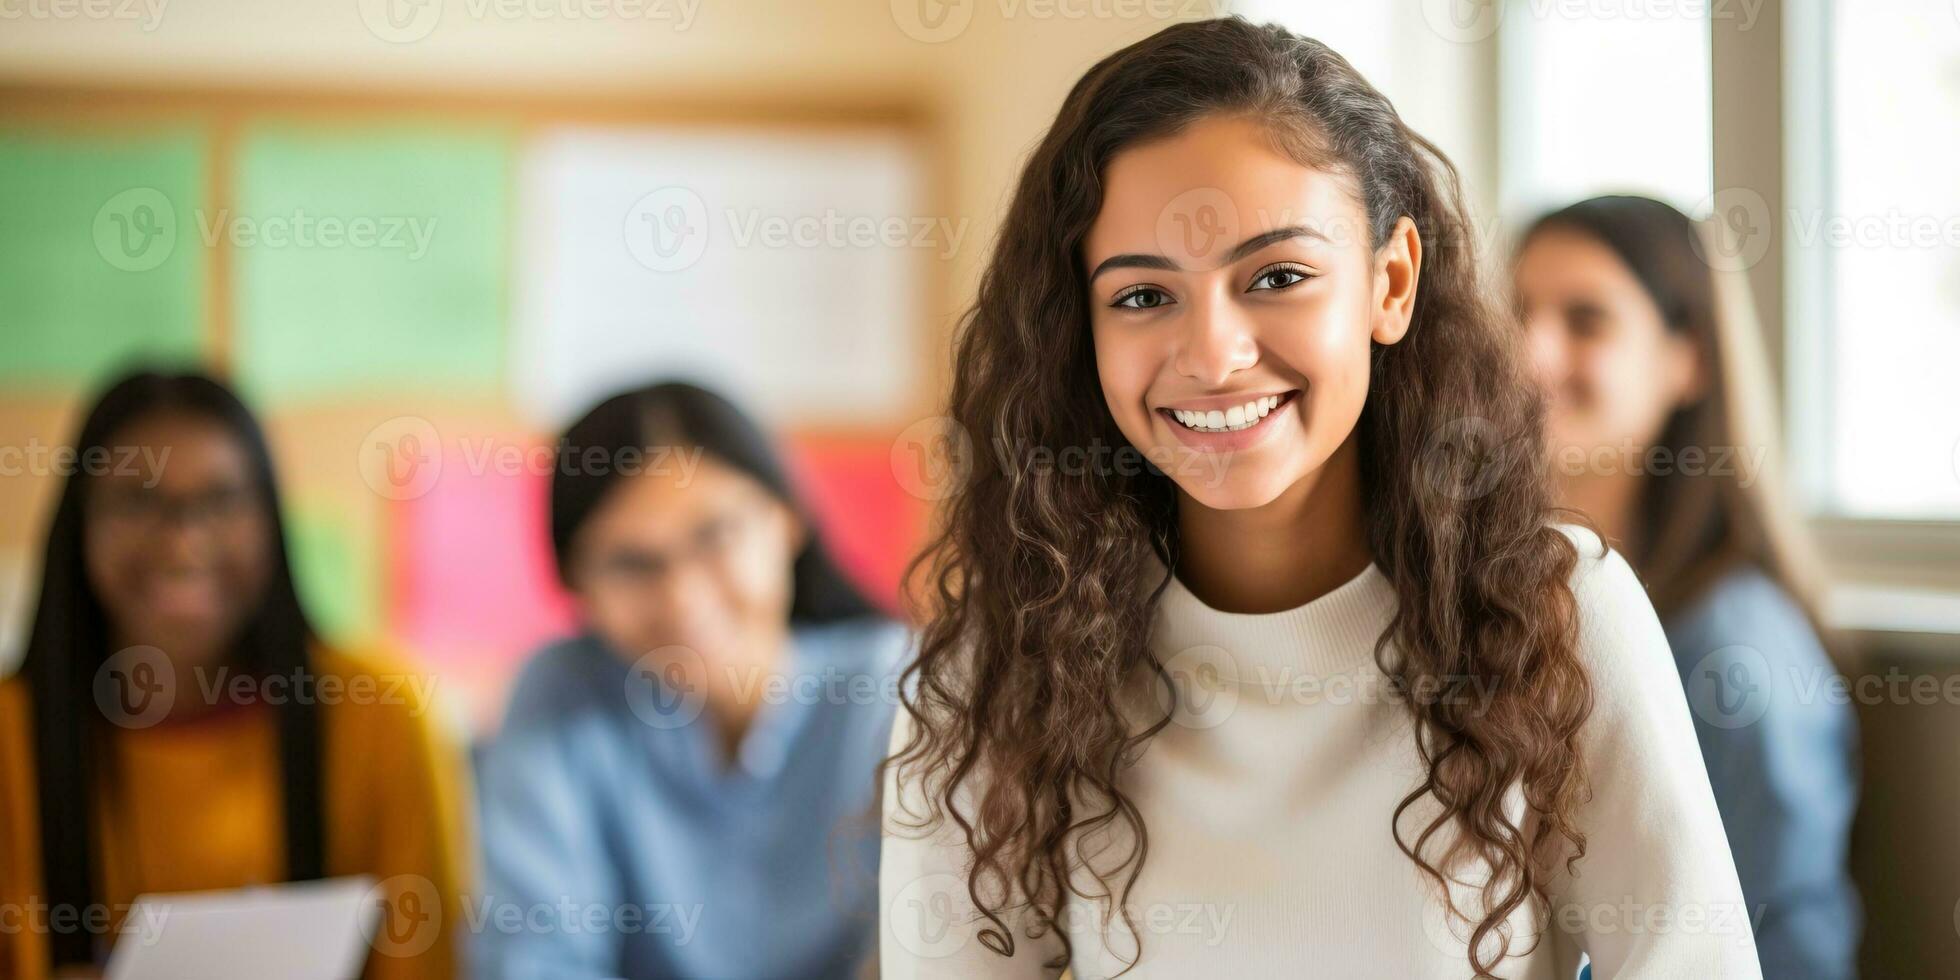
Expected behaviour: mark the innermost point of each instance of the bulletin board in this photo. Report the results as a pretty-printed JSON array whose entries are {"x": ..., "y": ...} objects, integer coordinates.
[{"x": 364, "y": 266}]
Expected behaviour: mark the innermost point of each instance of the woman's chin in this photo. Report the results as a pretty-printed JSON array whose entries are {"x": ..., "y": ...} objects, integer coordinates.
[{"x": 1245, "y": 489}]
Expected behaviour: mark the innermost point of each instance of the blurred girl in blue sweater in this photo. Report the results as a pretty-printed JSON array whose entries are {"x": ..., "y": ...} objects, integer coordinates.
[
  {"x": 684, "y": 789},
  {"x": 1660, "y": 418}
]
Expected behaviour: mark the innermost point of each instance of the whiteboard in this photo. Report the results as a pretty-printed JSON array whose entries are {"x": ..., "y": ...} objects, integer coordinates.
[{"x": 783, "y": 267}]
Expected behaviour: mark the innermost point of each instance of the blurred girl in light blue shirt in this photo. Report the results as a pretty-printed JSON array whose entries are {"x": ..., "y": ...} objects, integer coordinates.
[
  {"x": 1660, "y": 417},
  {"x": 685, "y": 789}
]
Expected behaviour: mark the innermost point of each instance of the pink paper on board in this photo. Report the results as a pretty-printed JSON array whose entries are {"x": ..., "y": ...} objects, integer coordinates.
[
  {"x": 475, "y": 586},
  {"x": 870, "y": 523}
]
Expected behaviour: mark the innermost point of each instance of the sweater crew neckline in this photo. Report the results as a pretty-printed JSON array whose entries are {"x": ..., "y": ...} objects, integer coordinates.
[{"x": 1327, "y": 636}]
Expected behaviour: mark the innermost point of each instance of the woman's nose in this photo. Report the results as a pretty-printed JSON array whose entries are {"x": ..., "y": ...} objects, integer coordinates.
[{"x": 1218, "y": 341}]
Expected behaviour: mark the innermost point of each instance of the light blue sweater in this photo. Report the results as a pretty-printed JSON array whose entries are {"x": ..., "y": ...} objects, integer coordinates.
[
  {"x": 617, "y": 844},
  {"x": 1781, "y": 743}
]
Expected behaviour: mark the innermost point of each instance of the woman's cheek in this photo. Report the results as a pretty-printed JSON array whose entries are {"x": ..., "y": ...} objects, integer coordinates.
[
  {"x": 1125, "y": 365},
  {"x": 1621, "y": 402},
  {"x": 625, "y": 625},
  {"x": 761, "y": 578},
  {"x": 760, "y": 586},
  {"x": 1328, "y": 345},
  {"x": 248, "y": 564},
  {"x": 1318, "y": 343}
]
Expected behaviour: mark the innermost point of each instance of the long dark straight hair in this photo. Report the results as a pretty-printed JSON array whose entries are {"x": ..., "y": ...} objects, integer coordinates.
[
  {"x": 1695, "y": 528},
  {"x": 69, "y": 641},
  {"x": 675, "y": 415}
]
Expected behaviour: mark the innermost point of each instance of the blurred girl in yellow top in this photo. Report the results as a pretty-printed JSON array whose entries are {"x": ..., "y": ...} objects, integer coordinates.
[{"x": 176, "y": 726}]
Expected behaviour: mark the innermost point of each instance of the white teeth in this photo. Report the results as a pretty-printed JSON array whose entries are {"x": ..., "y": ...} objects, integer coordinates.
[{"x": 1231, "y": 420}]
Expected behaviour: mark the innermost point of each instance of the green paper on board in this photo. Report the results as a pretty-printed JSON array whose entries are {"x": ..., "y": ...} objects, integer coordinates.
[
  {"x": 100, "y": 261},
  {"x": 370, "y": 257},
  {"x": 334, "y": 568}
]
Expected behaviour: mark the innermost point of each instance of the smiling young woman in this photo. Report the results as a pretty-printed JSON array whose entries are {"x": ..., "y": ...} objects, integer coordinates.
[
  {"x": 177, "y": 725},
  {"x": 1346, "y": 695}
]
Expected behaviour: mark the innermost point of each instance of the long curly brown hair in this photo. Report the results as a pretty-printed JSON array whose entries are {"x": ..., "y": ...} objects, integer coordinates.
[{"x": 1041, "y": 579}]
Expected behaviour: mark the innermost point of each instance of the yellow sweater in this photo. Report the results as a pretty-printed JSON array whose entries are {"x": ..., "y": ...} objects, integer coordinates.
[{"x": 200, "y": 809}]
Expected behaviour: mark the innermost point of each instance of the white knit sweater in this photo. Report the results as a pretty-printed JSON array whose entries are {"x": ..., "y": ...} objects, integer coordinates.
[{"x": 1268, "y": 803}]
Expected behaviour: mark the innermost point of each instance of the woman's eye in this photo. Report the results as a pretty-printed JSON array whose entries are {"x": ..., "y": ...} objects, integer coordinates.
[
  {"x": 1585, "y": 323},
  {"x": 1277, "y": 278},
  {"x": 1142, "y": 298}
]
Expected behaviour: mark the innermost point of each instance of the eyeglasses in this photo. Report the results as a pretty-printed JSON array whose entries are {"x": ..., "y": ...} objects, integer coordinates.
[
  {"x": 143, "y": 511},
  {"x": 632, "y": 567}
]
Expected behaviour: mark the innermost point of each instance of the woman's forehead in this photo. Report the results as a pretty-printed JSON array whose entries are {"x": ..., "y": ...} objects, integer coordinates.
[{"x": 1195, "y": 195}]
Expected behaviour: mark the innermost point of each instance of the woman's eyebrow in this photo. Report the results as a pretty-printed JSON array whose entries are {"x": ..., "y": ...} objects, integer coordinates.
[
  {"x": 1133, "y": 260},
  {"x": 1137, "y": 260}
]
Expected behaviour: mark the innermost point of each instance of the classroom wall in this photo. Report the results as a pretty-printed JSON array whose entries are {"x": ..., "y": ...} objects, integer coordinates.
[
  {"x": 979, "y": 89},
  {"x": 777, "y": 66},
  {"x": 991, "y": 88}
]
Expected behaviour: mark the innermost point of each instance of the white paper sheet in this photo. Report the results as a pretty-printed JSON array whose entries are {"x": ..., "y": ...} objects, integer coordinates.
[
  {"x": 783, "y": 267},
  {"x": 314, "y": 930}
]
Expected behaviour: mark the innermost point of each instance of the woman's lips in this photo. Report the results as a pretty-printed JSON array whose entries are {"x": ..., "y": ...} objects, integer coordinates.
[
  {"x": 184, "y": 597},
  {"x": 1232, "y": 440}
]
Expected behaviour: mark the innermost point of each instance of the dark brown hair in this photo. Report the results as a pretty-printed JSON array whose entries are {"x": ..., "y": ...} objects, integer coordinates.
[
  {"x": 1695, "y": 527},
  {"x": 69, "y": 643},
  {"x": 677, "y": 415},
  {"x": 1041, "y": 578}
]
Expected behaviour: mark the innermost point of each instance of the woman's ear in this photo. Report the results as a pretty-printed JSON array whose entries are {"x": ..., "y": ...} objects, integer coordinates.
[
  {"x": 796, "y": 529},
  {"x": 1687, "y": 369},
  {"x": 799, "y": 534},
  {"x": 1398, "y": 264}
]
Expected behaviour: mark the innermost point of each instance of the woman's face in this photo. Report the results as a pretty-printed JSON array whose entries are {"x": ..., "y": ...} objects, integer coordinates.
[
  {"x": 1233, "y": 296},
  {"x": 178, "y": 556},
  {"x": 1611, "y": 370},
  {"x": 701, "y": 559}
]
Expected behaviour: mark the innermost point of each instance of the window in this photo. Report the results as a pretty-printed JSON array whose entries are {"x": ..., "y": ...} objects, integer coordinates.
[
  {"x": 1872, "y": 239},
  {"x": 1603, "y": 99}
]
